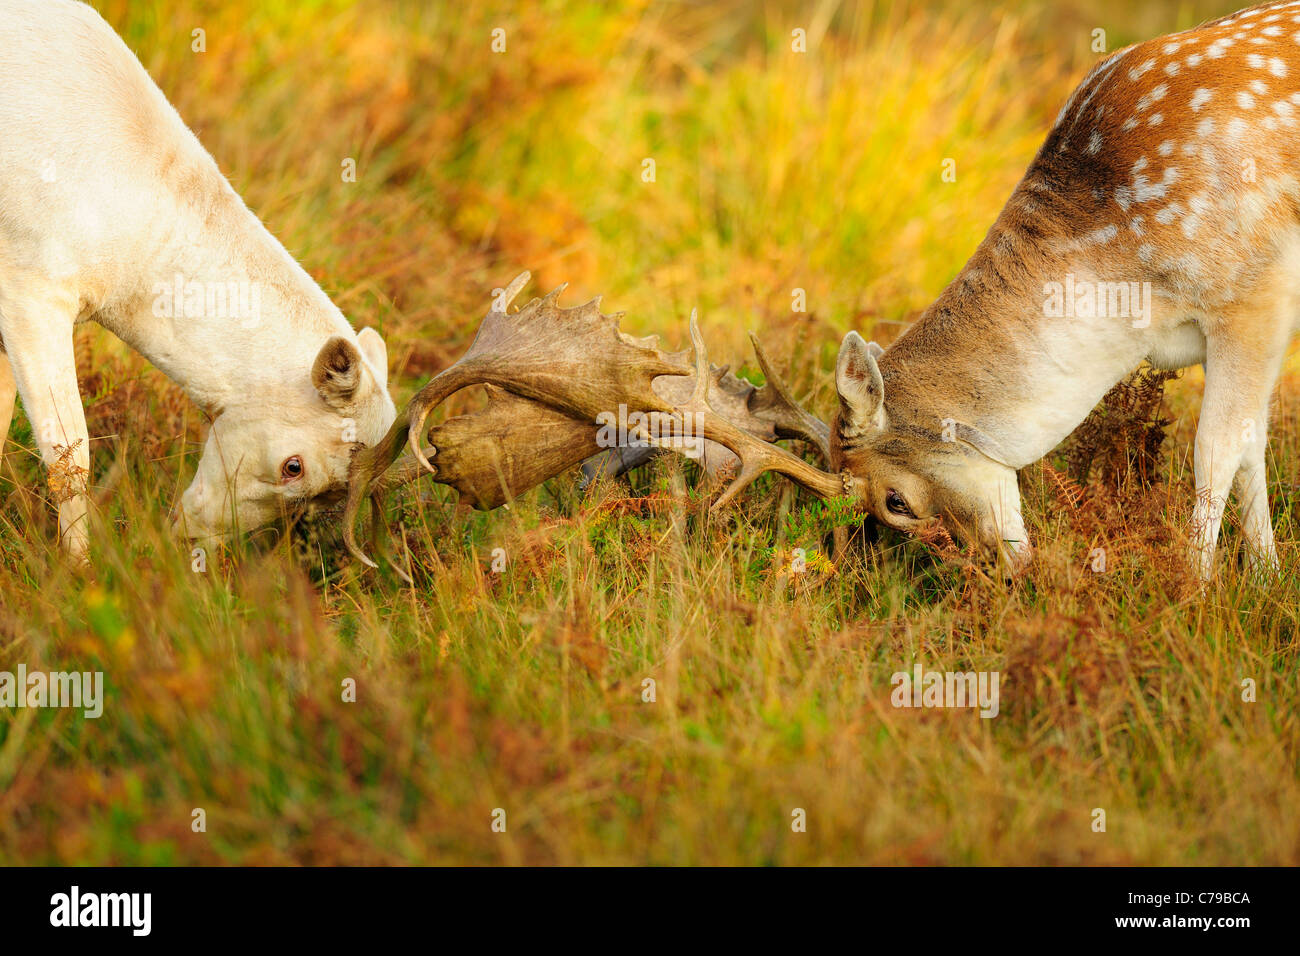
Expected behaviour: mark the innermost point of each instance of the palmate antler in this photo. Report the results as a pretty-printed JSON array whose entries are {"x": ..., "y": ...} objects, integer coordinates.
[
  {"x": 551, "y": 374},
  {"x": 769, "y": 413}
]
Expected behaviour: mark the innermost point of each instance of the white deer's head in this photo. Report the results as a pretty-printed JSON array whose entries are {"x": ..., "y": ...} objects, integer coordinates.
[{"x": 273, "y": 454}]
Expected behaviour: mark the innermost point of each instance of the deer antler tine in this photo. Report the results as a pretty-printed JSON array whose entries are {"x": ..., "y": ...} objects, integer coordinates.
[
  {"x": 350, "y": 542},
  {"x": 367, "y": 465},
  {"x": 738, "y": 484},
  {"x": 350, "y": 535},
  {"x": 554, "y": 294},
  {"x": 811, "y": 427},
  {"x": 756, "y": 456},
  {"x": 413, "y": 442},
  {"x": 442, "y": 385}
]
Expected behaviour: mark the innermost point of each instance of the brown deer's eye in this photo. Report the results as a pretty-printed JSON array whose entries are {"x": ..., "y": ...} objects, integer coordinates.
[
  {"x": 896, "y": 505},
  {"x": 292, "y": 469}
]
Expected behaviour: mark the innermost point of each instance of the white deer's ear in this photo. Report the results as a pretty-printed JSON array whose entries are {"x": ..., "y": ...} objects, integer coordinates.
[
  {"x": 859, "y": 383},
  {"x": 376, "y": 353},
  {"x": 339, "y": 373}
]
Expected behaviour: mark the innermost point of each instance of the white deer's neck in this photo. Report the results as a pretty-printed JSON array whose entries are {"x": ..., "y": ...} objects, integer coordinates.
[
  {"x": 222, "y": 308},
  {"x": 1018, "y": 349}
]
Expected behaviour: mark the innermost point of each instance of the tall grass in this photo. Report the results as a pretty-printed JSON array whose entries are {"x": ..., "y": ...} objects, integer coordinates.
[{"x": 524, "y": 690}]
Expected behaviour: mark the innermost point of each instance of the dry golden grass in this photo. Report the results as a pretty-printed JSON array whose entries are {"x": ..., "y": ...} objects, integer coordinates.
[{"x": 524, "y": 690}]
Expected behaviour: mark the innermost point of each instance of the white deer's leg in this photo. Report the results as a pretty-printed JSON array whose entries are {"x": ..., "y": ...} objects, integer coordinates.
[
  {"x": 1217, "y": 455},
  {"x": 1240, "y": 371},
  {"x": 8, "y": 393},
  {"x": 38, "y": 341},
  {"x": 1251, "y": 488}
]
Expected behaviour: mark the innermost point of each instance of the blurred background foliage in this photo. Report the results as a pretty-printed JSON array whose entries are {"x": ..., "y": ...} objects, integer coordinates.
[{"x": 774, "y": 170}]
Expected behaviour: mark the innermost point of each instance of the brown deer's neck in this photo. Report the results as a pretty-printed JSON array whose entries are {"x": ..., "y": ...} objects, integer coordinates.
[{"x": 995, "y": 351}]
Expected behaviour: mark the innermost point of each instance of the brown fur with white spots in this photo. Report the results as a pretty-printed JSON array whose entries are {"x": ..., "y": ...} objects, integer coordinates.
[{"x": 1169, "y": 191}]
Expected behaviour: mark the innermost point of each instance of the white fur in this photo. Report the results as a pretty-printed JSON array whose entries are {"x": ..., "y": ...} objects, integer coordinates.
[{"x": 105, "y": 199}]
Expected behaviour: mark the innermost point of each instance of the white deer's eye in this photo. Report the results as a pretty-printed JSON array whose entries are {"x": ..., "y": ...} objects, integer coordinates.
[
  {"x": 896, "y": 505},
  {"x": 292, "y": 469}
]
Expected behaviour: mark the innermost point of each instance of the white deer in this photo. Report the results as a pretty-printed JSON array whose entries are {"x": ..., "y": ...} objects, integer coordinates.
[
  {"x": 112, "y": 211},
  {"x": 1161, "y": 221}
]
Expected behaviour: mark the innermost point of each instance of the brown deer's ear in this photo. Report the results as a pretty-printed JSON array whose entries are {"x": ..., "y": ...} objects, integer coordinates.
[
  {"x": 860, "y": 385},
  {"x": 339, "y": 373}
]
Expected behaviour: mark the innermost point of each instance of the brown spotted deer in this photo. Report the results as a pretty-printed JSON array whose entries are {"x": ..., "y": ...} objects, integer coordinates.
[
  {"x": 1164, "y": 207},
  {"x": 1160, "y": 220},
  {"x": 111, "y": 210}
]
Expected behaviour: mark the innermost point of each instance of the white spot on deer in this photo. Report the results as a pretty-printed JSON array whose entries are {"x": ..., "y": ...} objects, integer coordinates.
[
  {"x": 1104, "y": 235},
  {"x": 1146, "y": 251},
  {"x": 1259, "y": 87},
  {"x": 1140, "y": 165},
  {"x": 1277, "y": 66},
  {"x": 1272, "y": 31},
  {"x": 1200, "y": 98},
  {"x": 1169, "y": 49},
  {"x": 1156, "y": 119},
  {"x": 1171, "y": 68},
  {"x": 1124, "y": 196},
  {"x": 1236, "y": 127},
  {"x": 1131, "y": 123},
  {"x": 1145, "y": 191},
  {"x": 1169, "y": 214},
  {"x": 1218, "y": 48},
  {"x": 1256, "y": 61},
  {"x": 1136, "y": 226},
  {"x": 1196, "y": 58},
  {"x": 1284, "y": 109},
  {"x": 1199, "y": 206},
  {"x": 1155, "y": 95},
  {"x": 1136, "y": 73},
  {"x": 1166, "y": 147},
  {"x": 1094, "y": 144},
  {"x": 1245, "y": 100}
]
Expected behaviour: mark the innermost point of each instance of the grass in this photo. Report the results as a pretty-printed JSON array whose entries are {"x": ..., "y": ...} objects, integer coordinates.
[{"x": 525, "y": 690}]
